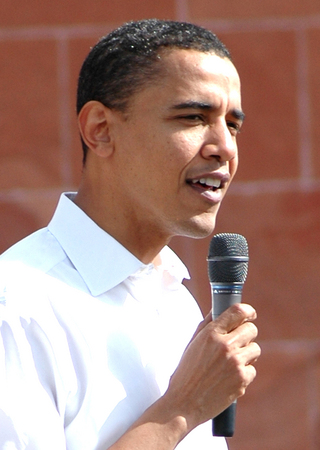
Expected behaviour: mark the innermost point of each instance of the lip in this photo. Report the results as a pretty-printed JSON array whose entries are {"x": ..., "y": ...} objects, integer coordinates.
[{"x": 212, "y": 195}]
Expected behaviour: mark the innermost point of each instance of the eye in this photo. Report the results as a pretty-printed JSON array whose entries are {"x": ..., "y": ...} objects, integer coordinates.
[
  {"x": 192, "y": 118},
  {"x": 234, "y": 127}
]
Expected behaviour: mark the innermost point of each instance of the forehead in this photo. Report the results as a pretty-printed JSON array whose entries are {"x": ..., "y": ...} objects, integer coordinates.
[
  {"x": 191, "y": 74},
  {"x": 182, "y": 59},
  {"x": 199, "y": 67}
]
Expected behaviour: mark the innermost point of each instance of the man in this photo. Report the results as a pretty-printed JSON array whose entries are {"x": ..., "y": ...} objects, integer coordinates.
[{"x": 102, "y": 346}]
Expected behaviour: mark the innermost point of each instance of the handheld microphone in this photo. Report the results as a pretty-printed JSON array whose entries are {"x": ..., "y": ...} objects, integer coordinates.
[{"x": 227, "y": 269}]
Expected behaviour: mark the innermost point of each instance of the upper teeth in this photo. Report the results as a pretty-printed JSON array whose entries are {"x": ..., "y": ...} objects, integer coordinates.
[{"x": 208, "y": 181}]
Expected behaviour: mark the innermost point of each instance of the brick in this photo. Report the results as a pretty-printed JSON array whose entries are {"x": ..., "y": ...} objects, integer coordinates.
[
  {"x": 277, "y": 411},
  {"x": 40, "y": 155},
  {"x": 23, "y": 213},
  {"x": 29, "y": 124},
  {"x": 281, "y": 407},
  {"x": 314, "y": 93},
  {"x": 233, "y": 9},
  {"x": 269, "y": 141},
  {"x": 17, "y": 222},
  {"x": 284, "y": 245},
  {"x": 62, "y": 12}
]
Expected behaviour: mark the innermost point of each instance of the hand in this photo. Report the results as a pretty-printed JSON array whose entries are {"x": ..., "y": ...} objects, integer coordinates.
[
  {"x": 216, "y": 367},
  {"x": 214, "y": 370}
]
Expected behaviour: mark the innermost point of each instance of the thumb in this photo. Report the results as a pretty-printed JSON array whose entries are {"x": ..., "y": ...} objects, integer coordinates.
[{"x": 233, "y": 317}]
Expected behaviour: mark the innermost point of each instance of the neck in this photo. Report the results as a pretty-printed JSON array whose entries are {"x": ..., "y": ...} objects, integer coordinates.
[{"x": 121, "y": 222}]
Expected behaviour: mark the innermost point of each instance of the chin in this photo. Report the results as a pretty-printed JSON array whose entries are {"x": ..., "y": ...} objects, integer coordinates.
[{"x": 199, "y": 228}]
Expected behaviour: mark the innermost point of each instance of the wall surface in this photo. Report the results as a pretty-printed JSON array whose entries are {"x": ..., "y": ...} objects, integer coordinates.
[{"x": 274, "y": 201}]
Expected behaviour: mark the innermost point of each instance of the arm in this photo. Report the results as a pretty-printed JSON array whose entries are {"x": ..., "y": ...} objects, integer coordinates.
[{"x": 215, "y": 369}]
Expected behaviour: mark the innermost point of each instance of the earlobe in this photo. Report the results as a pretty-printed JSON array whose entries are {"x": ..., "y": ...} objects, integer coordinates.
[{"x": 94, "y": 128}]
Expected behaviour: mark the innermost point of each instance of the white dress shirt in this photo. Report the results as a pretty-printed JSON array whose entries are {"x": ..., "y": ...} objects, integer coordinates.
[{"x": 89, "y": 337}]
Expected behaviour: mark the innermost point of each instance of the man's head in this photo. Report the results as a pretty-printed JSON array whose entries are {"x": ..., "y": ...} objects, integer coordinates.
[
  {"x": 129, "y": 58},
  {"x": 160, "y": 120}
]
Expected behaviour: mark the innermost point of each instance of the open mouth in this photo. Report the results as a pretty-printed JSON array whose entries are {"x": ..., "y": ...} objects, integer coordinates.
[{"x": 211, "y": 184}]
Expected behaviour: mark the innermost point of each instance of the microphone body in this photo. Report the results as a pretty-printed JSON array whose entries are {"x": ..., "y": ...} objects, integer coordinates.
[{"x": 227, "y": 269}]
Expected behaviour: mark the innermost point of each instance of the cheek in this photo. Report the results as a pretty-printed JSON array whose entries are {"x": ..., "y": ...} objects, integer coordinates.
[
  {"x": 168, "y": 155},
  {"x": 233, "y": 165},
  {"x": 161, "y": 153},
  {"x": 184, "y": 147}
]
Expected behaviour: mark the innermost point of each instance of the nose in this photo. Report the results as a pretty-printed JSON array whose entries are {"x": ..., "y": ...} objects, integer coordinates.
[{"x": 220, "y": 143}]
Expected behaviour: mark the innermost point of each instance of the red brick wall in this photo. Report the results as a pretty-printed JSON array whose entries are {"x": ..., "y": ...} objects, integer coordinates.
[{"x": 274, "y": 202}]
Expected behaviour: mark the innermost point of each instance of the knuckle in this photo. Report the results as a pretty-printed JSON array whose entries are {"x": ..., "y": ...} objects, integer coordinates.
[
  {"x": 235, "y": 363},
  {"x": 242, "y": 391},
  {"x": 211, "y": 334},
  {"x": 246, "y": 376},
  {"x": 252, "y": 329},
  {"x": 237, "y": 310},
  {"x": 257, "y": 349},
  {"x": 225, "y": 350}
]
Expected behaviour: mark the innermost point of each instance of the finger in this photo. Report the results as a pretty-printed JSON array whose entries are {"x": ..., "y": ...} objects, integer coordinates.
[
  {"x": 243, "y": 362},
  {"x": 255, "y": 352},
  {"x": 243, "y": 334},
  {"x": 233, "y": 317},
  {"x": 250, "y": 374},
  {"x": 250, "y": 353}
]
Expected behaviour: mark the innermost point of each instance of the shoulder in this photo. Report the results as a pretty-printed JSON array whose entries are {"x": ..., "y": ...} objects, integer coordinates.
[
  {"x": 39, "y": 250},
  {"x": 24, "y": 271}
]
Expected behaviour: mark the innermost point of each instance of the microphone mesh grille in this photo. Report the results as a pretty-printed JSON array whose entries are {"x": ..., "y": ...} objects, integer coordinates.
[{"x": 228, "y": 258}]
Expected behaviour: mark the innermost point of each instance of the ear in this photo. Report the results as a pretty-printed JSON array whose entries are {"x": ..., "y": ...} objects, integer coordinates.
[{"x": 93, "y": 121}]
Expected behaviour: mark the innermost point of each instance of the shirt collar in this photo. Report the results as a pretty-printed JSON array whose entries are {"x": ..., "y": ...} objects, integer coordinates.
[{"x": 101, "y": 261}]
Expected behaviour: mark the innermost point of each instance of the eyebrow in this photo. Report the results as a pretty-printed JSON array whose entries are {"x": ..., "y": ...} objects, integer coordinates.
[{"x": 236, "y": 112}]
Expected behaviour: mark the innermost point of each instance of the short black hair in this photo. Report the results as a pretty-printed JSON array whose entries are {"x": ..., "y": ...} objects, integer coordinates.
[{"x": 125, "y": 60}]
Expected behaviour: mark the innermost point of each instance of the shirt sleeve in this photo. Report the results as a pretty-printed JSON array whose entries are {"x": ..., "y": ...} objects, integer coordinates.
[{"x": 28, "y": 415}]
